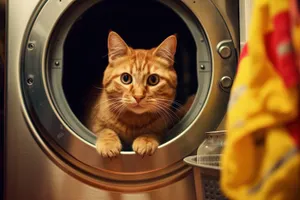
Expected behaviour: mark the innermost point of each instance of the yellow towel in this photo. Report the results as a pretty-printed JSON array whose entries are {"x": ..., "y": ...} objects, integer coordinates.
[{"x": 261, "y": 158}]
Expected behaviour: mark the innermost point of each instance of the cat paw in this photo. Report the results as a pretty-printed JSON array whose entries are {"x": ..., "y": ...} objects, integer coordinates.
[
  {"x": 108, "y": 148},
  {"x": 145, "y": 145}
]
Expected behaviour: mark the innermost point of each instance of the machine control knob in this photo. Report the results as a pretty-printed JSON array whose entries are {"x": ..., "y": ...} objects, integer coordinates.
[
  {"x": 226, "y": 82},
  {"x": 224, "y": 51}
]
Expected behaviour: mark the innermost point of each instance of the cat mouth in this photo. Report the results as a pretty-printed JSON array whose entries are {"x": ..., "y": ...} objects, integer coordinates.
[{"x": 137, "y": 106}]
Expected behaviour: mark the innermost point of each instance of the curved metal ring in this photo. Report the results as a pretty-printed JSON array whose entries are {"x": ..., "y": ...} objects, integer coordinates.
[{"x": 79, "y": 151}]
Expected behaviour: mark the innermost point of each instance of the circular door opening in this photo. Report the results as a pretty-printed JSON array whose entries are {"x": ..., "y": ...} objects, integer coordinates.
[
  {"x": 85, "y": 49},
  {"x": 85, "y": 56}
]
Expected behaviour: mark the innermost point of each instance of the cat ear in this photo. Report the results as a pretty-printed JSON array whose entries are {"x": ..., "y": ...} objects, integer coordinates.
[
  {"x": 116, "y": 46},
  {"x": 167, "y": 49}
]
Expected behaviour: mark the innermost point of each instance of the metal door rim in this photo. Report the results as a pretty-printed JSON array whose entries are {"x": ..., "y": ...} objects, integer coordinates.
[{"x": 35, "y": 46}]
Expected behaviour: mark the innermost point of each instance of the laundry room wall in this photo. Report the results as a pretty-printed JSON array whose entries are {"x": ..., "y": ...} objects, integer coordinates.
[{"x": 245, "y": 18}]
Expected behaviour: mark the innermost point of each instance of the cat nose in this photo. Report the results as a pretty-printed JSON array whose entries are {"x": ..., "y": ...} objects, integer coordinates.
[{"x": 138, "y": 99}]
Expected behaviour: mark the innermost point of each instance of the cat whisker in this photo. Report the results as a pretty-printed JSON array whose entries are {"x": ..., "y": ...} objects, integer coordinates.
[
  {"x": 172, "y": 116},
  {"x": 170, "y": 101},
  {"x": 99, "y": 88},
  {"x": 168, "y": 105},
  {"x": 165, "y": 112},
  {"x": 121, "y": 111},
  {"x": 111, "y": 106},
  {"x": 162, "y": 116},
  {"x": 113, "y": 116},
  {"x": 115, "y": 107},
  {"x": 104, "y": 102},
  {"x": 105, "y": 56}
]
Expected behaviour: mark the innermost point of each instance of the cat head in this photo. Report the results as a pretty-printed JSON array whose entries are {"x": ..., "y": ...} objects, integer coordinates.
[{"x": 140, "y": 80}]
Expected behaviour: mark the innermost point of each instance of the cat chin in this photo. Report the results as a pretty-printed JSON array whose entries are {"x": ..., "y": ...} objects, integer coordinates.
[{"x": 138, "y": 110}]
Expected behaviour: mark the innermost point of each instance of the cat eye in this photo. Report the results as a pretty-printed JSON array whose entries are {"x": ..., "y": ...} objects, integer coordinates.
[
  {"x": 126, "y": 78},
  {"x": 153, "y": 80}
]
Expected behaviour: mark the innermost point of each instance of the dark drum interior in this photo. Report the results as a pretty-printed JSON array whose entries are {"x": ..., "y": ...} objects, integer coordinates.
[{"x": 142, "y": 24}]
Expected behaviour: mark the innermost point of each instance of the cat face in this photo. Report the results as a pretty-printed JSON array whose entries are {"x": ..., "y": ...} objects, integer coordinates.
[{"x": 140, "y": 80}]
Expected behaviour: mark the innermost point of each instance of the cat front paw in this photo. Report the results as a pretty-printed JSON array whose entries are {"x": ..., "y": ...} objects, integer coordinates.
[
  {"x": 108, "y": 145},
  {"x": 145, "y": 145},
  {"x": 108, "y": 149}
]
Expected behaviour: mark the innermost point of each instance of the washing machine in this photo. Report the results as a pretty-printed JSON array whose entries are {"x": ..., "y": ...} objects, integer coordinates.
[{"x": 57, "y": 50}]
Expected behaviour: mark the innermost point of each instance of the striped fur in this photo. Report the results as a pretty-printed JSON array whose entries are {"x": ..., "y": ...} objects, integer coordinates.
[{"x": 116, "y": 115}]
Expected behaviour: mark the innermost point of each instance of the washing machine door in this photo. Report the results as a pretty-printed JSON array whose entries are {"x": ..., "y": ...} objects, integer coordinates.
[{"x": 59, "y": 131}]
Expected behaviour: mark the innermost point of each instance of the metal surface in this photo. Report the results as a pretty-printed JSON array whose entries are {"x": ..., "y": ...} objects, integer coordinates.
[
  {"x": 74, "y": 171},
  {"x": 226, "y": 82},
  {"x": 2, "y": 92},
  {"x": 229, "y": 9},
  {"x": 123, "y": 168},
  {"x": 246, "y": 8},
  {"x": 224, "y": 51}
]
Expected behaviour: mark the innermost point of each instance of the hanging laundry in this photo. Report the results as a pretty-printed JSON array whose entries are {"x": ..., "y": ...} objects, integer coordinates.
[{"x": 261, "y": 159}]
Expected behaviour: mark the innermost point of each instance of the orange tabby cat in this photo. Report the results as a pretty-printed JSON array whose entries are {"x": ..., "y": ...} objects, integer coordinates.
[{"x": 139, "y": 87}]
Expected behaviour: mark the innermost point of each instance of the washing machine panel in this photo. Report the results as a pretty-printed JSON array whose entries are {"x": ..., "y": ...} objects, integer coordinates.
[{"x": 51, "y": 155}]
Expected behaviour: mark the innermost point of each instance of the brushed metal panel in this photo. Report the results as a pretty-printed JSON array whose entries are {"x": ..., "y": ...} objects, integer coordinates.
[
  {"x": 30, "y": 174},
  {"x": 122, "y": 168}
]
